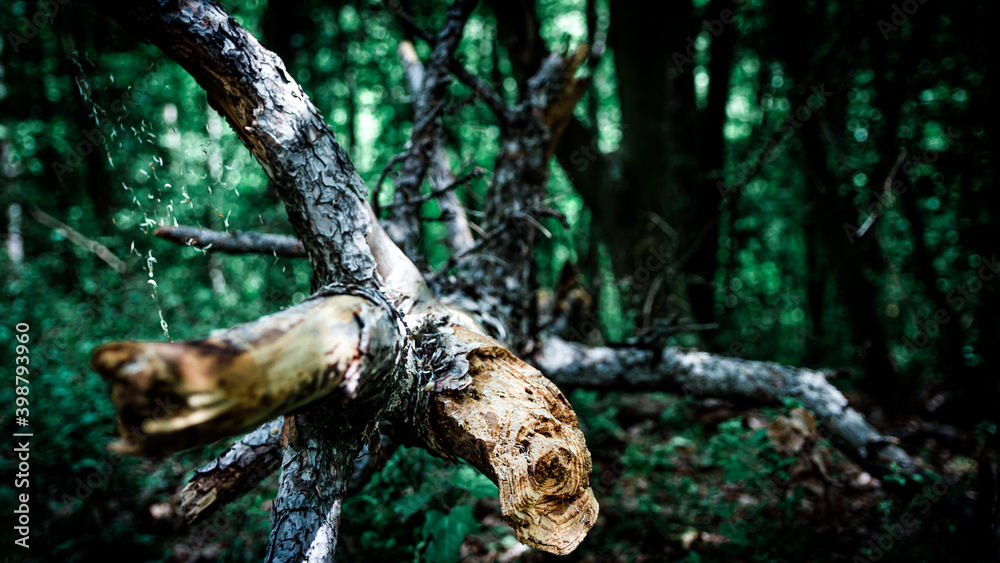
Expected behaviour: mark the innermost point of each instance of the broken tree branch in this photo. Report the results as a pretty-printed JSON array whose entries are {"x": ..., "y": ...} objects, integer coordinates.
[
  {"x": 403, "y": 224},
  {"x": 78, "y": 239},
  {"x": 177, "y": 395},
  {"x": 345, "y": 344},
  {"x": 242, "y": 467},
  {"x": 486, "y": 406},
  {"x": 234, "y": 243},
  {"x": 569, "y": 364}
]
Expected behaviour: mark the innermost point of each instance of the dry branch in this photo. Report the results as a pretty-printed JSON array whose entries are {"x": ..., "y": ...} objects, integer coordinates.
[
  {"x": 172, "y": 396},
  {"x": 520, "y": 174},
  {"x": 253, "y": 458},
  {"x": 78, "y": 239},
  {"x": 403, "y": 224},
  {"x": 439, "y": 173},
  {"x": 242, "y": 467},
  {"x": 234, "y": 243},
  {"x": 569, "y": 364},
  {"x": 486, "y": 406}
]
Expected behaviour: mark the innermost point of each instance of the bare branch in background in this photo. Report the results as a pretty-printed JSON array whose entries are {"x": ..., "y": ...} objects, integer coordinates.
[
  {"x": 234, "y": 243},
  {"x": 78, "y": 239}
]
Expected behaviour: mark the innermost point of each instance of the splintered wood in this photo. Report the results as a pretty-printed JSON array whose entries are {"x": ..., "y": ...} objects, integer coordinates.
[
  {"x": 518, "y": 429},
  {"x": 177, "y": 395}
]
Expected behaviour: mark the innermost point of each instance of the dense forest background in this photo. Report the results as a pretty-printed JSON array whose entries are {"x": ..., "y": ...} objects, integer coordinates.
[{"x": 808, "y": 182}]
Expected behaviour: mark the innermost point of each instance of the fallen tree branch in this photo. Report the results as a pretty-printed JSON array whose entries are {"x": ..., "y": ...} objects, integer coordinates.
[
  {"x": 177, "y": 395},
  {"x": 78, "y": 239},
  {"x": 234, "y": 243},
  {"x": 403, "y": 224},
  {"x": 241, "y": 468},
  {"x": 253, "y": 458},
  {"x": 569, "y": 365},
  {"x": 347, "y": 346}
]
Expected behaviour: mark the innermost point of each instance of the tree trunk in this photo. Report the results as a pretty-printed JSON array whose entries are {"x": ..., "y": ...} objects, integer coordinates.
[{"x": 343, "y": 362}]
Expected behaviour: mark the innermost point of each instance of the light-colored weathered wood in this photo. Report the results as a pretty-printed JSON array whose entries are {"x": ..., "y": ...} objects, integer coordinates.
[
  {"x": 518, "y": 429},
  {"x": 177, "y": 395}
]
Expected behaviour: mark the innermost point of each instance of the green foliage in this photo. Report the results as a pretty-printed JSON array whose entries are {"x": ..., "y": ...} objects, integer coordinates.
[{"x": 444, "y": 533}]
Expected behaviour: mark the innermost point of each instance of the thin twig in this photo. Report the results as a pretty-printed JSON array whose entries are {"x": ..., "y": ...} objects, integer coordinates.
[
  {"x": 886, "y": 189},
  {"x": 78, "y": 239},
  {"x": 487, "y": 93},
  {"x": 385, "y": 172},
  {"x": 477, "y": 171}
]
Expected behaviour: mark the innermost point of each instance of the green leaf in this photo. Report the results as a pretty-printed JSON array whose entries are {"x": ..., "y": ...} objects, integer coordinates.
[
  {"x": 447, "y": 532},
  {"x": 411, "y": 504},
  {"x": 476, "y": 483}
]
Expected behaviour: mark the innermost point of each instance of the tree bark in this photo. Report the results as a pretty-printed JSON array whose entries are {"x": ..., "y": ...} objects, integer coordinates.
[
  {"x": 234, "y": 243},
  {"x": 569, "y": 364},
  {"x": 174, "y": 396}
]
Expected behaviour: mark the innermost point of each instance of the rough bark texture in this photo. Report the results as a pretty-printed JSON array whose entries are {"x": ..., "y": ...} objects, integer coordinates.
[
  {"x": 403, "y": 224},
  {"x": 323, "y": 194},
  {"x": 242, "y": 467},
  {"x": 569, "y": 364},
  {"x": 234, "y": 243},
  {"x": 439, "y": 174},
  {"x": 315, "y": 472},
  {"x": 172, "y": 396},
  {"x": 505, "y": 279},
  {"x": 250, "y": 460}
]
